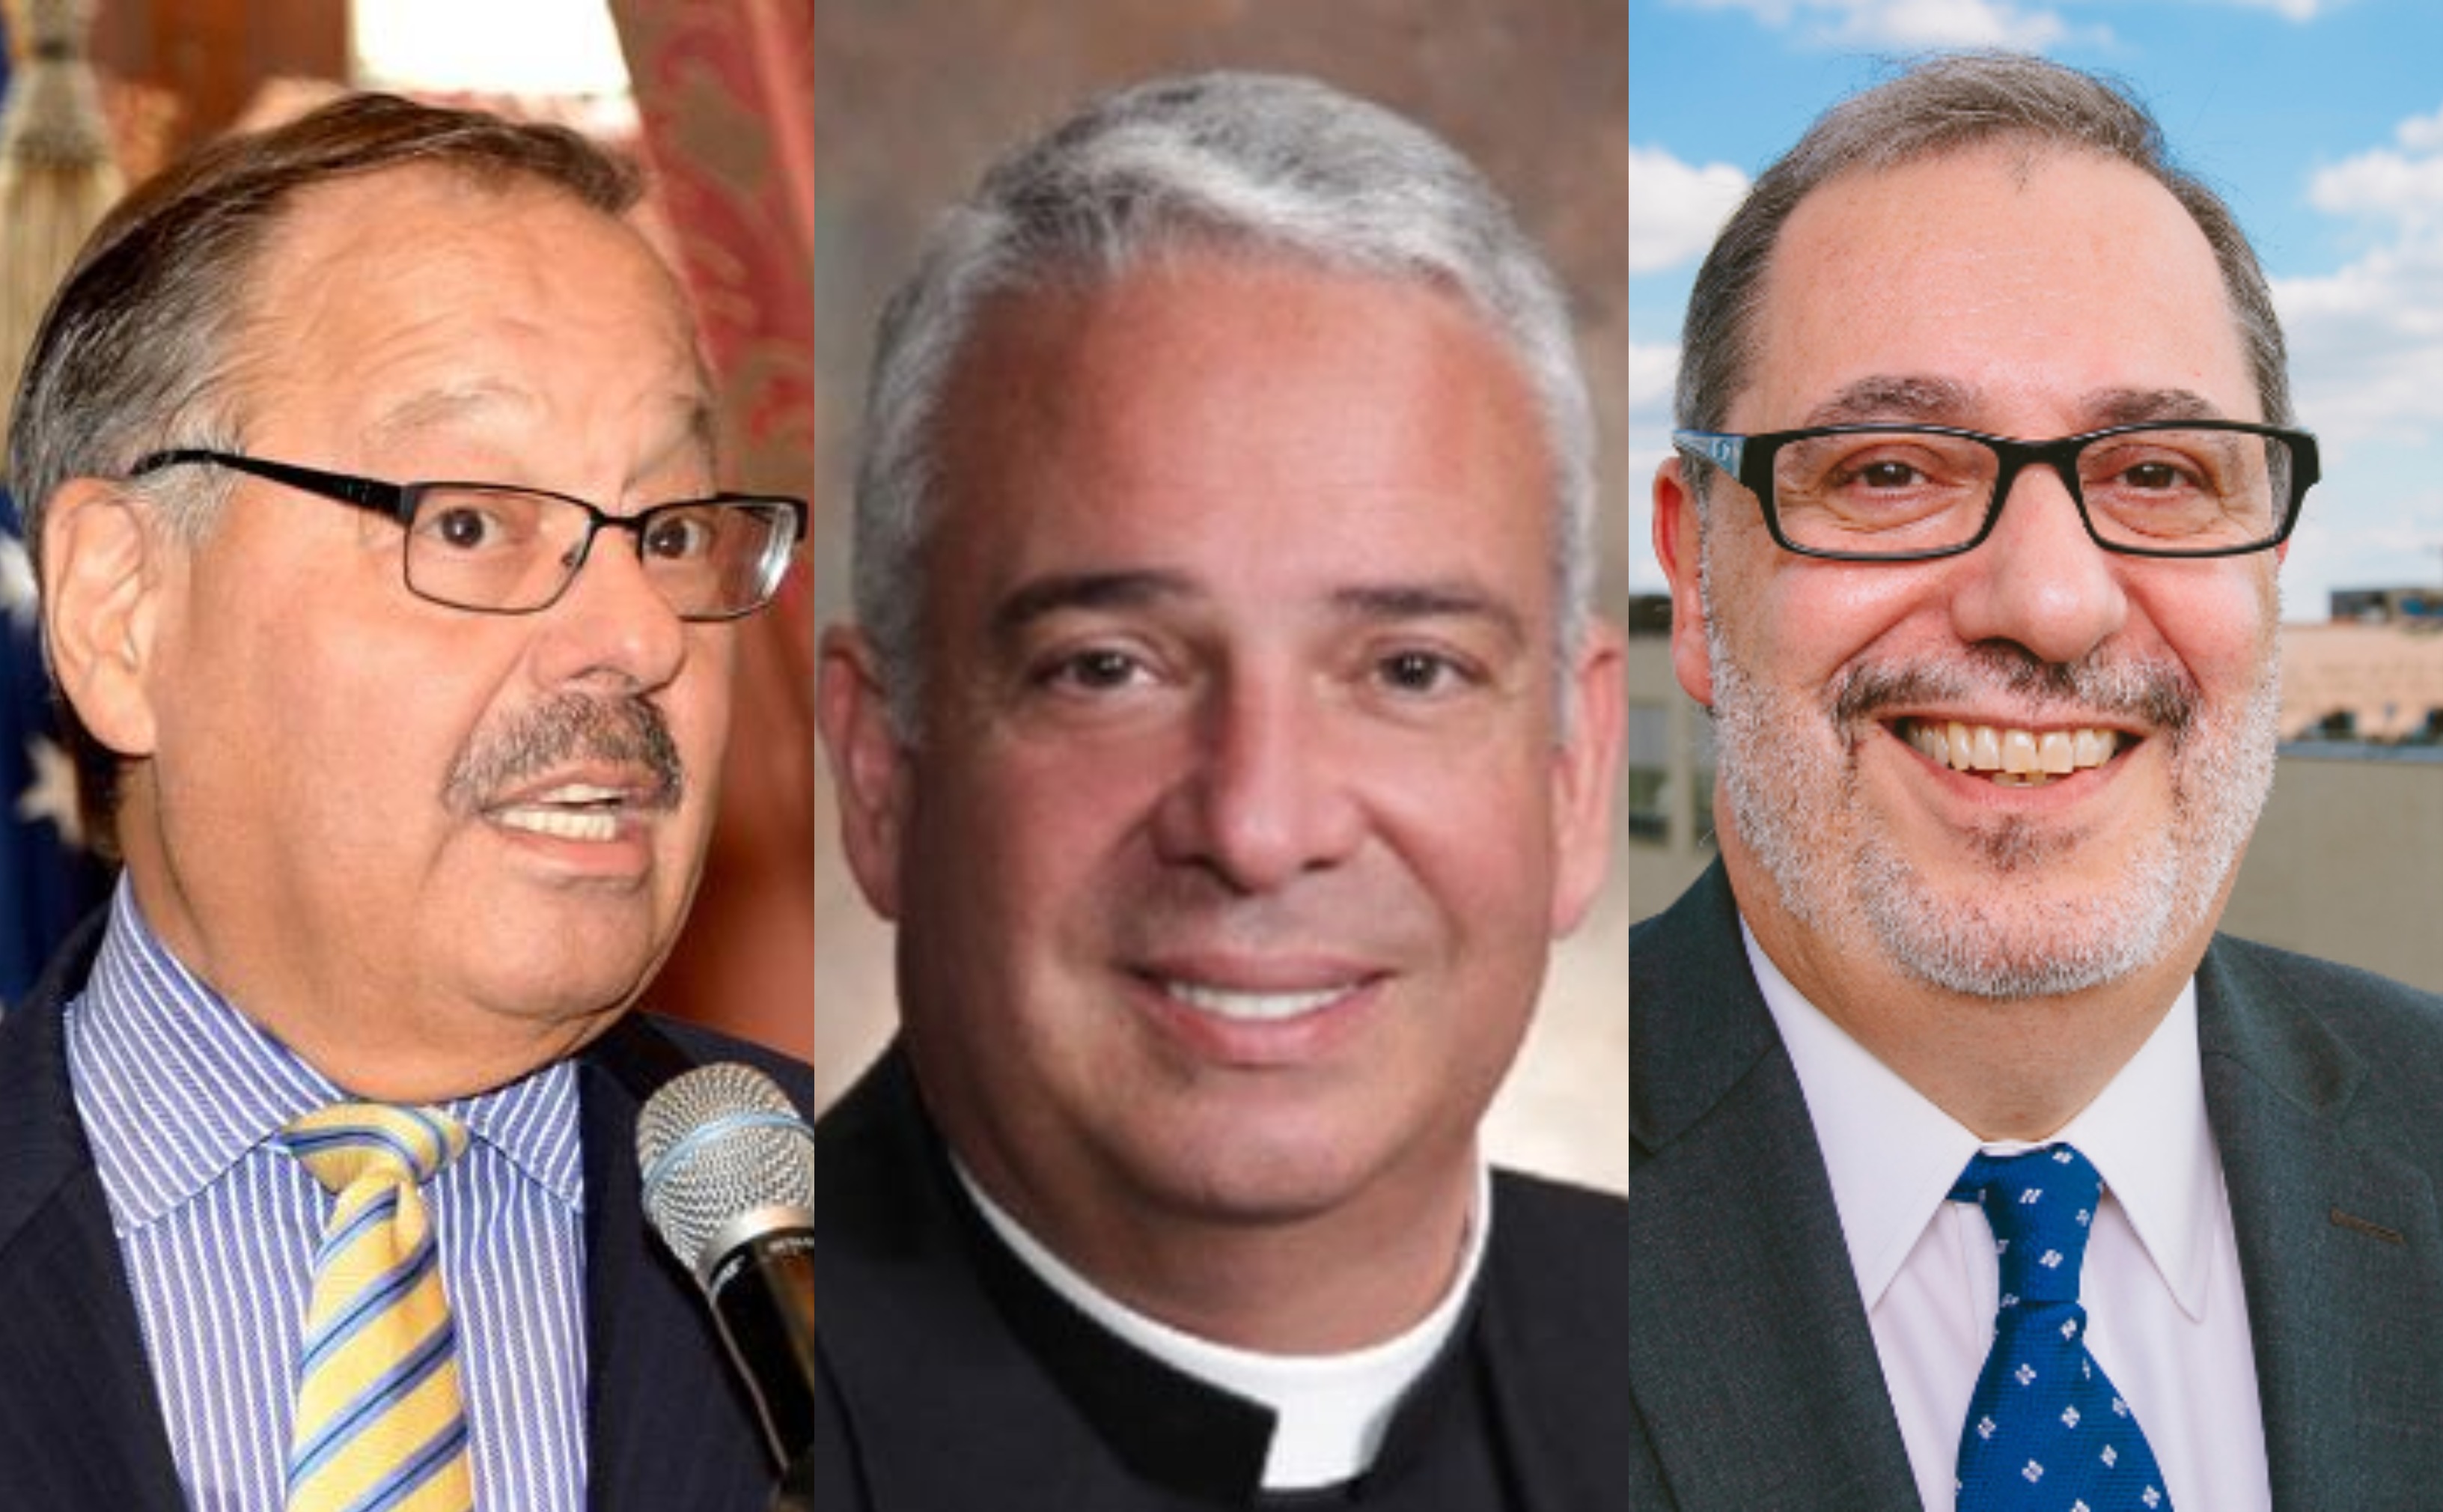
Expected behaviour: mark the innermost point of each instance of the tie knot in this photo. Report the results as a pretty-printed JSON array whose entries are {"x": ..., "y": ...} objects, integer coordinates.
[
  {"x": 2041, "y": 1206},
  {"x": 348, "y": 1142}
]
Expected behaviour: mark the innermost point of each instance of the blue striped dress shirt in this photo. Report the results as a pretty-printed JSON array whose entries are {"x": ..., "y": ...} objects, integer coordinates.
[{"x": 180, "y": 1097}]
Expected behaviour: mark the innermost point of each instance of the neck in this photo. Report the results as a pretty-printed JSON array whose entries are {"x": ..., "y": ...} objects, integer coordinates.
[
  {"x": 2018, "y": 1068},
  {"x": 375, "y": 1035},
  {"x": 1354, "y": 1277}
]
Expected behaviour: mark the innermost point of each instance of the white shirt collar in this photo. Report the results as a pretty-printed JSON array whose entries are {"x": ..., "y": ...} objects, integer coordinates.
[
  {"x": 1892, "y": 1155},
  {"x": 1331, "y": 1410}
]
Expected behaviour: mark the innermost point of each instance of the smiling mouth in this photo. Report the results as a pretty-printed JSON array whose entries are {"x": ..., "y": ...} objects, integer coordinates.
[
  {"x": 2011, "y": 757},
  {"x": 572, "y": 811},
  {"x": 1243, "y": 1007}
]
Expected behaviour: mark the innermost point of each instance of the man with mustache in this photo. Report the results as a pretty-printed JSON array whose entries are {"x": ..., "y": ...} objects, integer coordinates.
[
  {"x": 1228, "y": 734},
  {"x": 386, "y": 581},
  {"x": 1986, "y": 468}
]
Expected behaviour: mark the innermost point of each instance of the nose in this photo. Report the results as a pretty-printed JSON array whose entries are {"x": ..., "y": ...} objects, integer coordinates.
[
  {"x": 1264, "y": 798},
  {"x": 2040, "y": 580},
  {"x": 611, "y": 623}
]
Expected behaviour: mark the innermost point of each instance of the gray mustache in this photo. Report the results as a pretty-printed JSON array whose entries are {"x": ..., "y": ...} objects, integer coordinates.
[
  {"x": 2163, "y": 696},
  {"x": 560, "y": 731}
]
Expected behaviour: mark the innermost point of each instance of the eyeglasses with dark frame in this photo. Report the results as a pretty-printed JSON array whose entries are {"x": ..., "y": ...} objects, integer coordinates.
[
  {"x": 496, "y": 549},
  {"x": 2180, "y": 489}
]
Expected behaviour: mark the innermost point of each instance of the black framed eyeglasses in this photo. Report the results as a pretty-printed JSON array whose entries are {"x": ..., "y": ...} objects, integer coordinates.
[
  {"x": 496, "y": 549},
  {"x": 1913, "y": 493}
]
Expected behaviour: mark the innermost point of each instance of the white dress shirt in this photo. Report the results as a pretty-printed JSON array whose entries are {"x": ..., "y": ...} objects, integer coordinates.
[
  {"x": 182, "y": 1097},
  {"x": 2166, "y": 1317}
]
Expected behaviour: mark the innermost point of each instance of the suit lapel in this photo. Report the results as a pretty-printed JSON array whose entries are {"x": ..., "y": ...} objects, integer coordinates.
[
  {"x": 2341, "y": 1250},
  {"x": 79, "y": 1422},
  {"x": 1750, "y": 1362}
]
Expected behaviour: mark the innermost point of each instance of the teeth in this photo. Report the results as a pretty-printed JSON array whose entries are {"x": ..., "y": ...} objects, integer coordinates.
[
  {"x": 561, "y": 823},
  {"x": 1256, "y": 1008},
  {"x": 578, "y": 793},
  {"x": 2018, "y": 750},
  {"x": 2017, "y": 758}
]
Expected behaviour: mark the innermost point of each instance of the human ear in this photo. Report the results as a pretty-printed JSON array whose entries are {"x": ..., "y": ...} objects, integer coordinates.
[
  {"x": 869, "y": 763},
  {"x": 1583, "y": 777},
  {"x": 1679, "y": 545},
  {"x": 103, "y": 587}
]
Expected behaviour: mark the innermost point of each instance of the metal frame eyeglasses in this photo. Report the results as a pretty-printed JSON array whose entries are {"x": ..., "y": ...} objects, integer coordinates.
[
  {"x": 494, "y": 548},
  {"x": 2290, "y": 469}
]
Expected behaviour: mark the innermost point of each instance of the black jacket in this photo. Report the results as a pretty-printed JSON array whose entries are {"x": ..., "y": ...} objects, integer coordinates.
[{"x": 955, "y": 1381}]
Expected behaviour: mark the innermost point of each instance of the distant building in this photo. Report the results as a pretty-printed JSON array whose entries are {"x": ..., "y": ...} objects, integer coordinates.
[
  {"x": 1670, "y": 760},
  {"x": 2387, "y": 605},
  {"x": 2376, "y": 681}
]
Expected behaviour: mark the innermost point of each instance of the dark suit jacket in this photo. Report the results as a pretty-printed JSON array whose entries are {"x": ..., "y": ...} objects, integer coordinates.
[
  {"x": 669, "y": 1428},
  {"x": 953, "y": 1381},
  {"x": 1753, "y": 1374}
]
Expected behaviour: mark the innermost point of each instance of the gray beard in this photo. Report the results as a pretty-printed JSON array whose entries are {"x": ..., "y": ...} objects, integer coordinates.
[{"x": 1835, "y": 871}]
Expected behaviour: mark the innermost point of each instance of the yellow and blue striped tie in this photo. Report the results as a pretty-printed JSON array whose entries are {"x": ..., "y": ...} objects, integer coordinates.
[{"x": 381, "y": 1425}]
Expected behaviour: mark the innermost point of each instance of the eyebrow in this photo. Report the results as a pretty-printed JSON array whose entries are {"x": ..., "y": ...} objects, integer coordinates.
[
  {"x": 1034, "y": 600},
  {"x": 2136, "y": 406},
  {"x": 1889, "y": 397},
  {"x": 1447, "y": 599},
  {"x": 1453, "y": 599},
  {"x": 1913, "y": 400}
]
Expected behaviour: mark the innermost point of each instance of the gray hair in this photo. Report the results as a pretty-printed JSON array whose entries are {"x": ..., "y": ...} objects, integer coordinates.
[
  {"x": 140, "y": 344},
  {"x": 1942, "y": 105},
  {"x": 1268, "y": 165}
]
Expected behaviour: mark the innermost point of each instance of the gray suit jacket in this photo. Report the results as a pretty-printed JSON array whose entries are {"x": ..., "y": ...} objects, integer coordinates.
[{"x": 1751, "y": 1371}]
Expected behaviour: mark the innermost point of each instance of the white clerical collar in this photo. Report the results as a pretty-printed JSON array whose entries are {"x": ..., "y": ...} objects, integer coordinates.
[
  {"x": 1331, "y": 1410},
  {"x": 1892, "y": 1155}
]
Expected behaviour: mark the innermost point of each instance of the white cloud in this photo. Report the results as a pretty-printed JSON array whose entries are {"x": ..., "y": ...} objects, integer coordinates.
[
  {"x": 2421, "y": 133},
  {"x": 1652, "y": 369},
  {"x": 1915, "y": 23},
  {"x": 1950, "y": 24},
  {"x": 1674, "y": 209},
  {"x": 2030, "y": 27},
  {"x": 2406, "y": 186},
  {"x": 2287, "y": 9},
  {"x": 2366, "y": 342}
]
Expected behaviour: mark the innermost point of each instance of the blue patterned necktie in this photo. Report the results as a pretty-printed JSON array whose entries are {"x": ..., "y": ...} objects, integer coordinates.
[{"x": 2046, "y": 1429}]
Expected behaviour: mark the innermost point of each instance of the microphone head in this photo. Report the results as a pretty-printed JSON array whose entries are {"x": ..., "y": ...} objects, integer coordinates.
[{"x": 726, "y": 1156}]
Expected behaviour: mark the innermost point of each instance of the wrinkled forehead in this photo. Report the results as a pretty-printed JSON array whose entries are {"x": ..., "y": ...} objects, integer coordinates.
[
  {"x": 421, "y": 300},
  {"x": 2023, "y": 274}
]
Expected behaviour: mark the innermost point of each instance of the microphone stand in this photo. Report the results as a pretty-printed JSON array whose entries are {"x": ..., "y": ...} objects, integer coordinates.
[{"x": 797, "y": 1492}]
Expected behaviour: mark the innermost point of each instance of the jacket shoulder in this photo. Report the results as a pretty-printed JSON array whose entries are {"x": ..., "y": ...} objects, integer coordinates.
[
  {"x": 1558, "y": 1211},
  {"x": 700, "y": 1046},
  {"x": 2374, "y": 1014},
  {"x": 1569, "y": 1246}
]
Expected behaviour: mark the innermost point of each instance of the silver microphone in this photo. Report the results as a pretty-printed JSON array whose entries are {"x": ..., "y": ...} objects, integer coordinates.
[{"x": 729, "y": 1183}]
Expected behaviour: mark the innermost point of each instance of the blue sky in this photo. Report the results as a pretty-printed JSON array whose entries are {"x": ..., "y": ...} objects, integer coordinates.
[{"x": 2320, "y": 122}]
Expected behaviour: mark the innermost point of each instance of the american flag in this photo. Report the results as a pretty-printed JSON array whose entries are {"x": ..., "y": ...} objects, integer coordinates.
[{"x": 48, "y": 878}]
